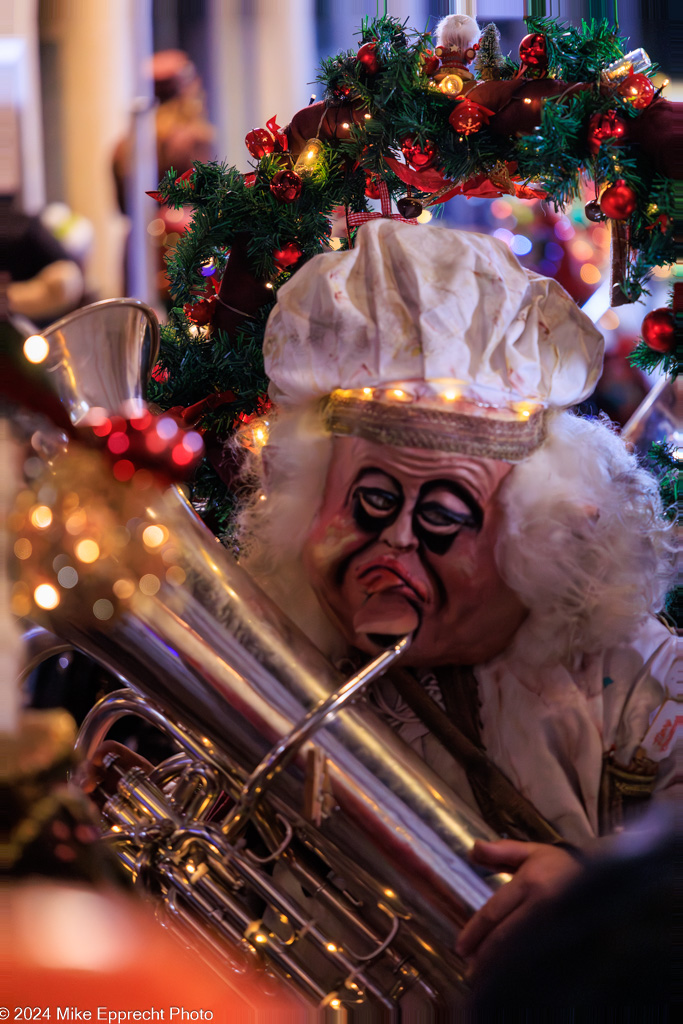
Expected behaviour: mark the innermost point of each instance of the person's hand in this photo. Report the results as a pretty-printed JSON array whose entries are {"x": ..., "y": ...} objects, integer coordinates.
[{"x": 541, "y": 873}]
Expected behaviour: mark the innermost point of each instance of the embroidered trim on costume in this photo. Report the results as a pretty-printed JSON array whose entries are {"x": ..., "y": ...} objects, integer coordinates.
[{"x": 485, "y": 436}]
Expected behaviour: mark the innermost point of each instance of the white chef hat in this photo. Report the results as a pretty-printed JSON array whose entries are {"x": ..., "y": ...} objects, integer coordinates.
[{"x": 429, "y": 337}]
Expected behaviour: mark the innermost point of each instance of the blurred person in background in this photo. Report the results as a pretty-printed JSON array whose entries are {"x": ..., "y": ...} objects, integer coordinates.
[
  {"x": 39, "y": 279},
  {"x": 183, "y": 136}
]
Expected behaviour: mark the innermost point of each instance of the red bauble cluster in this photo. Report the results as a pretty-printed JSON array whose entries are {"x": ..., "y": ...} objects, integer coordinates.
[
  {"x": 637, "y": 90},
  {"x": 618, "y": 201},
  {"x": 286, "y": 186},
  {"x": 602, "y": 127},
  {"x": 367, "y": 56},
  {"x": 160, "y": 443},
  {"x": 418, "y": 155},
  {"x": 658, "y": 330},
  {"x": 533, "y": 51},
  {"x": 467, "y": 117},
  {"x": 287, "y": 256},
  {"x": 263, "y": 141}
]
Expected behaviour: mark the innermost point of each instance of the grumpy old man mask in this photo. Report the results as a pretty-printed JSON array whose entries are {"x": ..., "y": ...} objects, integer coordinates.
[{"x": 404, "y": 542}]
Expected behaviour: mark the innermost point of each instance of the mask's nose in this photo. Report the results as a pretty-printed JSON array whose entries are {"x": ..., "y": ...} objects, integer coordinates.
[{"x": 400, "y": 533}]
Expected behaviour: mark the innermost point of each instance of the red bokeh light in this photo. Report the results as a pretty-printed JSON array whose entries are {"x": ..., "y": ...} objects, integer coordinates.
[
  {"x": 118, "y": 443},
  {"x": 123, "y": 469}
]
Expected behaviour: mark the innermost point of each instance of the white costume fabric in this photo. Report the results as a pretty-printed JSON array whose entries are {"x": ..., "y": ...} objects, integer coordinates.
[{"x": 548, "y": 731}]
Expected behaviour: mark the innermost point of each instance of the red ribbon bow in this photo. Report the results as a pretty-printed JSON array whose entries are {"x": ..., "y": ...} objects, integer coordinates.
[
  {"x": 279, "y": 134},
  {"x": 355, "y": 219}
]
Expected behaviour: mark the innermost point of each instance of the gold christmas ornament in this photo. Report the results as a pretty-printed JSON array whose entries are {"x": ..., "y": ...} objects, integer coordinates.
[{"x": 451, "y": 85}]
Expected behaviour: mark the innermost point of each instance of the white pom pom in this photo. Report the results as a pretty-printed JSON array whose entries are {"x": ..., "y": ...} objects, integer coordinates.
[{"x": 457, "y": 30}]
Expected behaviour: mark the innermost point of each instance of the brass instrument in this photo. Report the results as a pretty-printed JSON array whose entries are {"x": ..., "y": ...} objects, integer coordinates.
[{"x": 356, "y": 879}]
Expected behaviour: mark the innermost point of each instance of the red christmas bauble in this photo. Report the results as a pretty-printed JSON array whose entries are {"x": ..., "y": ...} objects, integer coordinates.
[
  {"x": 371, "y": 185},
  {"x": 367, "y": 56},
  {"x": 637, "y": 90},
  {"x": 605, "y": 126},
  {"x": 200, "y": 313},
  {"x": 618, "y": 201},
  {"x": 286, "y": 186},
  {"x": 287, "y": 256},
  {"x": 430, "y": 63},
  {"x": 418, "y": 155},
  {"x": 658, "y": 330},
  {"x": 259, "y": 142},
  {"x": 533, "y": 51},
  {"x": 467, "y": 117}
]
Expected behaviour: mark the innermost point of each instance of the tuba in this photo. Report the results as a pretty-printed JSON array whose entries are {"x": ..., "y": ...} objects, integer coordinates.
[{"x": 291, "y": 829}]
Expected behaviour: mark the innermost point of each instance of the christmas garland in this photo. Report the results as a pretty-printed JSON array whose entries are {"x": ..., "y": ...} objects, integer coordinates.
[{"x": 397, "y": 118}]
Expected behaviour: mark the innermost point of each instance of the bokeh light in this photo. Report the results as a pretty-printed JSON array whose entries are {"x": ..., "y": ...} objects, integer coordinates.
[
  {"x": 167, "y": 428},
  {"x": 118, "y": 443},
  {"x": 153, "y": 536},
  {"x": 46, "y": 596},
  {"x": 175, "y": 576},
  {"x": 87, "y": 550},
  {"x": 36, "y": 348},
  {"x": 149, "y": 584},
  {"x": 103, "y": 609},
  {"x": 521, "y": 245},
  {"x": 123, "y": 589},
  {"x": 581, "y": 249},
  {"x": 67, "y": 577},
  {"x": 590, "y": 273},
  {"x": 504, "y": 235},
  {"x": 41, "y": 517},
  {"x": 181, "y": 455},
  {"x": 123, "y": 470},
  {"x": 609, "y": 321},
  {"x": 23, "y": 548},
  {"x": 564, "y": 230},
  {"x": 76, "y": 522}
]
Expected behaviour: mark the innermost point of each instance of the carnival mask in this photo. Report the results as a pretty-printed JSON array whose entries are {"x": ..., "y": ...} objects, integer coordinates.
[{"x": 403, "y": 542}]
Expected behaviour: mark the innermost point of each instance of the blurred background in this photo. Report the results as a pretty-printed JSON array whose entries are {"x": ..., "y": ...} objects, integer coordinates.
[{"x": 97, "y": 100}]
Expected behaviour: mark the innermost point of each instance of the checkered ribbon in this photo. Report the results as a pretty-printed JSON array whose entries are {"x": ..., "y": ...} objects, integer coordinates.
[{"x": 356, "y": 219}]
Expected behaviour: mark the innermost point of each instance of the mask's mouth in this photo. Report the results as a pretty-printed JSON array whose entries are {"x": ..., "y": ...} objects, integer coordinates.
[
  {"x": 392, "y": 606},
  {"x": 388, "y": 573}
]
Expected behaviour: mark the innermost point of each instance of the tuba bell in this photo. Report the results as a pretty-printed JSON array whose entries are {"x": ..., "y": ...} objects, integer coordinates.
[{"x": 292, "y": 827}]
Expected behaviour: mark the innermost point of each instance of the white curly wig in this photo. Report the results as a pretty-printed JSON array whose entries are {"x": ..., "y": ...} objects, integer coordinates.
[{"x": 584, "y": 541}]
